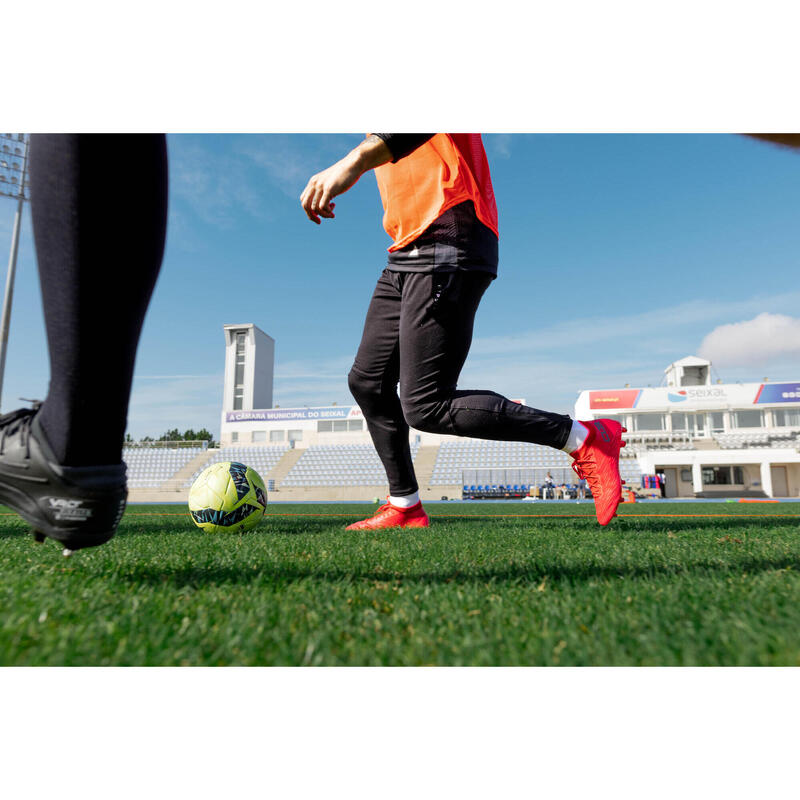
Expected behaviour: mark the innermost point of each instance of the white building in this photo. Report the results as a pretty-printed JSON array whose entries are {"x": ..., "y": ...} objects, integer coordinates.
[{"x": 708, "y": 438}]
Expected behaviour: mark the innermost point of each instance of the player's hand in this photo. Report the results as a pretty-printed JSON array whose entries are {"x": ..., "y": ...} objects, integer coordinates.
[{"x": 324, "y": 186}]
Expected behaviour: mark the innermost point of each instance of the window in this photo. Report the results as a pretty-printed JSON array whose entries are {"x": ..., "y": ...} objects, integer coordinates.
[
  {"x": 747, "y": 419},
  {"x": 786, "y": 417},
  {"x": 277, "y": 436},
  {"x": 235, "y": 436},
  {"x": 686, "y": 475},
  {"x": 339, "y": 425},
  {"x": 679, "y": 422},
  {"x": 295, "y": 436},
  {"x": 238, "y": 378},
  {"x": 717, "y": 421},
  {"x": 355, "y": 424},
  {"x": 324, "y": 427},
  {"x": 259, "y": 436},
  {"x": 723, "y": 476},
  {"x": 648, "y": 422}
]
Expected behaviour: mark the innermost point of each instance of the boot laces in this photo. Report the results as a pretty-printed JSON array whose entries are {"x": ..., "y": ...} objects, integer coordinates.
[
  {"x": 580, "y": 467},
  {"x": 17, "y": 421}
]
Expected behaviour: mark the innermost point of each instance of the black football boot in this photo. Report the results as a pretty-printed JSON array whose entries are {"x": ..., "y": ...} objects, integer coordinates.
[{"x": 77, "y": 506}]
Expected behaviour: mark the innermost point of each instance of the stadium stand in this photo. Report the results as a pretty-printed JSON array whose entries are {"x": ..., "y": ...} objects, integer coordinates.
[
  {"x": 262, "y": 459},
  {"x": 149, "y": 467},
  {"x": 339, "y": 465},
  {"x": 737, "y": 441},
  {"x": 472, "y": 454}
]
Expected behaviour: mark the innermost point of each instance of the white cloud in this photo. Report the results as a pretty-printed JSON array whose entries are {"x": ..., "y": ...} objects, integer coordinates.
[
  {"x": 765, "y": 339},
  {"x": 216, "y": 187},
  {"x": 498, "y": 144},
  {"x": 289, "y": 162},
  {"x": 670, "y": 323}
]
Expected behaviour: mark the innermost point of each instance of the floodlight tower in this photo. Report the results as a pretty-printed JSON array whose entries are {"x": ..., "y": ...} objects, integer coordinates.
[{"x": 14, "y": 184}]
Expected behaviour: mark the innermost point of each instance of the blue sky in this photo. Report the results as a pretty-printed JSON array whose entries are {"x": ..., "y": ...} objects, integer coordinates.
[{"x": 618, "y": 254}]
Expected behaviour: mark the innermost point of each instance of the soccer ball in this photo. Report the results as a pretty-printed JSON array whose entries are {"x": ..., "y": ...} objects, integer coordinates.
[{"x": 227, "y": 496}]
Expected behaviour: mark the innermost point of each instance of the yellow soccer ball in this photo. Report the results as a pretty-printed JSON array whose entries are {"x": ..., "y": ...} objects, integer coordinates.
[{"x": 228, "y": 496}]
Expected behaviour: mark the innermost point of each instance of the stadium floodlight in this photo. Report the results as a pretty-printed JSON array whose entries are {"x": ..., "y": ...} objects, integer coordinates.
[{"x": 14, "y": 184}]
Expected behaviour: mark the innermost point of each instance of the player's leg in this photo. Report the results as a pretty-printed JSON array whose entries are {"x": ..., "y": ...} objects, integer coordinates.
[
  {"x": 373, "y": 382},
  {"x": 98, "y": 204},
  {"x": 435, "y": 336}
]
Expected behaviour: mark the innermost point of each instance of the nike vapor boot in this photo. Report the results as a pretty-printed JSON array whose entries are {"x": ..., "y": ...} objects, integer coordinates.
[
  {"x": 598, "y": 462},
  {"x": 389, "y": 516},
  {"x": 77, "y": 506}
]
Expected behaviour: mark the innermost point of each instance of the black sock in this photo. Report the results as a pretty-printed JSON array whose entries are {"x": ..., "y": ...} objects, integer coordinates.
[{"x": 99, "y": 207}]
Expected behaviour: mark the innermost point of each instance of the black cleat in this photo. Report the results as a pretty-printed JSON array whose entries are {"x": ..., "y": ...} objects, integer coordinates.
[{"x": 77, "y": 506}]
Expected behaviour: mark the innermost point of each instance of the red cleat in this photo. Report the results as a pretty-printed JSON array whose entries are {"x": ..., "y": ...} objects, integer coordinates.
[
  {"x": 598, "y": 462},
  {"x": 389, "y": 516}
]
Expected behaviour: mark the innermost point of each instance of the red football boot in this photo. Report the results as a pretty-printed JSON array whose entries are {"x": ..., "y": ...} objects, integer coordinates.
[
  {"x": 598, "y": 462},
  {"x": 389, "y": 516}
]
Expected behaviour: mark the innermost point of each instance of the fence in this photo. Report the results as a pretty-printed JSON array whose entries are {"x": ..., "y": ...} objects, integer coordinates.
[{"x": 516, "y": 476}]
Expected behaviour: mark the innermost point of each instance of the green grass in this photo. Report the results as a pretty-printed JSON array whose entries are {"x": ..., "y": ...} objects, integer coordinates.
[{"x": 468, "y": 591}]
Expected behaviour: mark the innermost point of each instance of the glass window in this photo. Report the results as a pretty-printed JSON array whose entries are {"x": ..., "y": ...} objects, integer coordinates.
[
  {"x": 355, "y": 424},
  {"x": 678, "y": 422},
  {"x": 339, "y": 425},
  {"x": 717, "y": 421},
  {"x": 686, "y": 475},
  {"x": 648, "y": 422},
  {"x": 259, "y": 436},
  {"x": 277, "y": 436},
  {"x": 295, "y": 436},
  {"x": 716, "y": 476},
  {"x": 738, "y": 476},
  {"x": 238, "y": 375},
  {"x": 324, "y": 427},
  {"x": 786, "y": 417},
  {"x": 747, "y": 419},
  {"x": 235, "y": 436}
]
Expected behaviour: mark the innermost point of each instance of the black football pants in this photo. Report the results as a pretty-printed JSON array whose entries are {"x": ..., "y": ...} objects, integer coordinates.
[
  {"x": 99, "y": 207},
  {"x": 418, "y": 331}
]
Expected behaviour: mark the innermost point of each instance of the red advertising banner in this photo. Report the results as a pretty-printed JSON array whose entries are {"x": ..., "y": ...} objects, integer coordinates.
[{"x": 614, "y": 398}]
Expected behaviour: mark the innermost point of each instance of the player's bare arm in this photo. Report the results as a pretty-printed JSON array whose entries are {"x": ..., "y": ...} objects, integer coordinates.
[{"x": 339, "y": 177}]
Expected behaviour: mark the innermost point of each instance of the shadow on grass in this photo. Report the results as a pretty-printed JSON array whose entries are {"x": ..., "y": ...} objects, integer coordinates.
[
  {"x": 518, "y": 574},
  {"x": 288, "y": 526}
]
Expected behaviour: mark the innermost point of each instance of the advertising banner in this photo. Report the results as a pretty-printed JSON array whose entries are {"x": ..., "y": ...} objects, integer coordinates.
[
  {"x": 778, "y": 393},
  {"x": 288, "y": 414},
  {"x": 617, "y": 398},
  {"x": 732, "y": 395}
]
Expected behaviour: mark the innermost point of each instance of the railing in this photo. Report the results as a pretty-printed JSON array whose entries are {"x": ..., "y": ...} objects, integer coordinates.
[
  {"x": 169, "y": 445},
  {"x": 165, "y": 486}
]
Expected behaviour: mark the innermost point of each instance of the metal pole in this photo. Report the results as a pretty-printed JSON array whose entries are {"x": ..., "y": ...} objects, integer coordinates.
[
  {"x": 9, "y": 295},
  {"x": 5, "y": 321}
]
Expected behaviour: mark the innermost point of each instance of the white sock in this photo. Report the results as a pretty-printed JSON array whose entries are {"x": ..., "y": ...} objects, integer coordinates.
[
  {"x": 405, "y": 502},
  {"x": 577, "y": 436}
]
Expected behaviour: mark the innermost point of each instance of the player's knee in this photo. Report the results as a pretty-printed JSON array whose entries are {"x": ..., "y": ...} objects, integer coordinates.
[
  {"x": 362, "y": 388},
  {"x": 423, "y": 417}
]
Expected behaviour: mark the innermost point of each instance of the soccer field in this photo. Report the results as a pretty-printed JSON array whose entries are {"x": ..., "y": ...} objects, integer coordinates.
[{"x": 480, "y": 587}]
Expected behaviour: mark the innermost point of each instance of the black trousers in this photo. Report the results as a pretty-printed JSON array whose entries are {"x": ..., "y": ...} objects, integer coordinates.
[
  {"x": 99, "y": 243},
  {"x": 418, "y": 332}
]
